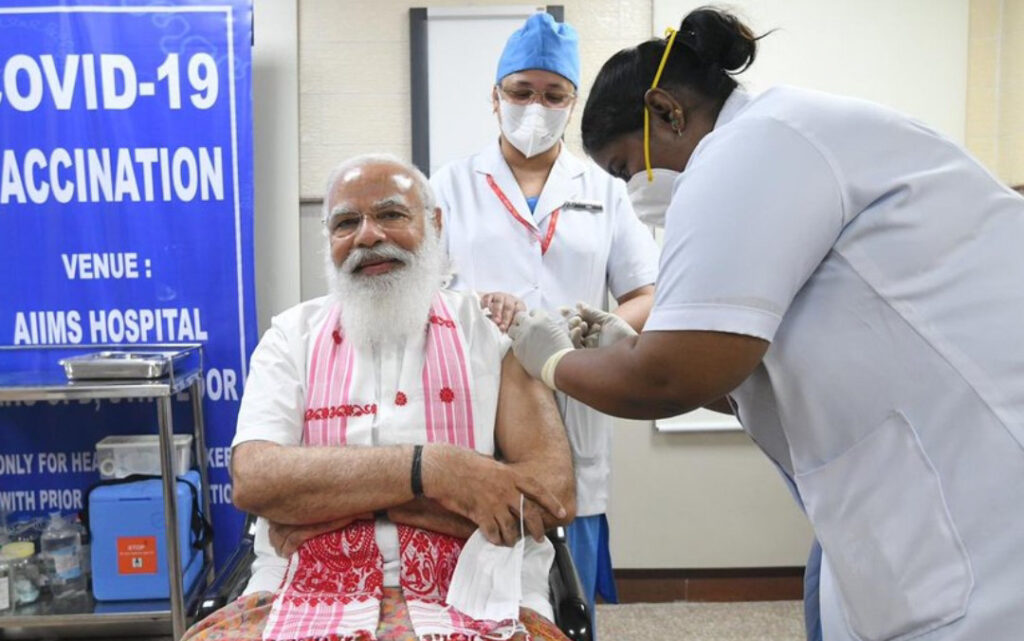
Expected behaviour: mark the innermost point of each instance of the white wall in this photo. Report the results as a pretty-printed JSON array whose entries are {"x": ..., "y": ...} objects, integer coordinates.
[
  {"x": 275, "y": 91},
  {"x": 995, "y": 130},
  {"x": 700, "y": 500},
  {"x": 908, "y": 54}
]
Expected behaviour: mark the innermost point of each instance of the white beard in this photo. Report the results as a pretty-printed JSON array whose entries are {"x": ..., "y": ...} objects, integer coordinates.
[{"x": 387, "y": 309}]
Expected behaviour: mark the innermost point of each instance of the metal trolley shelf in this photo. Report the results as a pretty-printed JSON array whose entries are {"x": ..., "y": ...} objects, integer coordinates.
[{"x": 46, "y": 381}]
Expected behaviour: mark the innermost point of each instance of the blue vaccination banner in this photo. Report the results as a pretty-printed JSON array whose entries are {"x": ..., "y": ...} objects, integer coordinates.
[{"x": 126, "y": 219}]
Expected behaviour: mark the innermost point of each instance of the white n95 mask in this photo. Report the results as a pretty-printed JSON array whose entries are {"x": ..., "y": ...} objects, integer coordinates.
[
  {"x": 651, "y": 199},
  {"x": 532, "y": 128},
  {"x": 488, "y": 579}
]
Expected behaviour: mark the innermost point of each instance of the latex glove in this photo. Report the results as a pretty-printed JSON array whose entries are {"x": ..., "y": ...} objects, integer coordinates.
[
  {"x": 604, "y": 328},
  {"x": 502, "y": 307},
  {"x": 576, "y": 325},
  {"x": 537, "y": 339}
]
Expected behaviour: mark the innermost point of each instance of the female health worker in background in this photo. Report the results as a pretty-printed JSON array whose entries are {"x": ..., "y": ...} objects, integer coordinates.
[
  {"x": 851, "y": 285},
  {"x": 528, "y": 223}
]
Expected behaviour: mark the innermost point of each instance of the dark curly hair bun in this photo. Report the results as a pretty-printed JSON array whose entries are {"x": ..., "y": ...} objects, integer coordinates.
[
  {"x": 719, "y": 39},
  {"x": 710, "y": 48}
]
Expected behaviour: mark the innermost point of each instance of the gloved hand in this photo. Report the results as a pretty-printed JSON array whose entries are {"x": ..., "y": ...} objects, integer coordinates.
[
  {"x": 603, "y": 328},
  {"x": 576, "y": 325},
  {"x": 536, "y": 339}
]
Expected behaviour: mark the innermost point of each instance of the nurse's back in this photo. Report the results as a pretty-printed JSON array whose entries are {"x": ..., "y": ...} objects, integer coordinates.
[{"x": 929, "y": 229}]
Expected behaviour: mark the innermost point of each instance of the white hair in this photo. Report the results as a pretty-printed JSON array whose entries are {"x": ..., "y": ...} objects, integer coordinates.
[
  {"x": 423, "y": 188},
  {"x": 388, "y": 308},
  {"x": 391, "y": 307}
]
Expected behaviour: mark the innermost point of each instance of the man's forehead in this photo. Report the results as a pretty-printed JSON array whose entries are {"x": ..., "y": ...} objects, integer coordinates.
[{"x": 375, "y": 183}]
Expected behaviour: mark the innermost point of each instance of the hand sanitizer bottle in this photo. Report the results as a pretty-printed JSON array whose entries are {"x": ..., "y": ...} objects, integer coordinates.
[{"x": 61, "y": 545}]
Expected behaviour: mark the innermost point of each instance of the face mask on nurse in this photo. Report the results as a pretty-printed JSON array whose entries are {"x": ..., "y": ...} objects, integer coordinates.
[
  {"x": 533, "y": 121},
  {"x": 650, "y": 198},
  {"x": 650, "y": 191}
]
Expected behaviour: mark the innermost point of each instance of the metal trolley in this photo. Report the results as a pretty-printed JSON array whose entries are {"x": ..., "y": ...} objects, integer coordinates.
[{"x": 49, "y": 382}]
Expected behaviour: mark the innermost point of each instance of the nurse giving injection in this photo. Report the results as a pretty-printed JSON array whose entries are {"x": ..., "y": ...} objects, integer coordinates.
[{"x": 848, "y": 282}]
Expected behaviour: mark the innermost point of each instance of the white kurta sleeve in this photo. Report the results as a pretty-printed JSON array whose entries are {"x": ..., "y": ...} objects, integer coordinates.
[
  {"x": 633, "y": 259},
  {"x": 755, "y": 212},
  {"x": 273, "y": 404}
]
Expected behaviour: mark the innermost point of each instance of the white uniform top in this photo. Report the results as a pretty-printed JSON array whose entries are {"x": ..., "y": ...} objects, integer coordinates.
[
  {"x": 591, "y": 253},
  {"x": 274, "y": 405},
  {"x": 886, "y": 267}
]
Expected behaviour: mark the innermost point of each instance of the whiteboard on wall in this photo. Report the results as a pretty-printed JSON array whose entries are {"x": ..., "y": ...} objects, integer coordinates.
[
  {"x": 700, "y": 420},
  {"x": 910, "y": 55},
  {"x": 457, "y": 50}
]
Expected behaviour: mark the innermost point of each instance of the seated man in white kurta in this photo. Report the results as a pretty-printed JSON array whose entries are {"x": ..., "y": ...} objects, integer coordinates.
[{"x": 367, "y": 437}]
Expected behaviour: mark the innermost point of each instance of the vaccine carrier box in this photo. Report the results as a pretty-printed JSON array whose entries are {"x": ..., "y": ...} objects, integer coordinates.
[{"x": 129, "y": 547}]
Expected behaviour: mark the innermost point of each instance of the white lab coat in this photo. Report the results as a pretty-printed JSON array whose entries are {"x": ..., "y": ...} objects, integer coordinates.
[
  {"x": 886, "y": 268},
  {"x": 590, "y": 255}
]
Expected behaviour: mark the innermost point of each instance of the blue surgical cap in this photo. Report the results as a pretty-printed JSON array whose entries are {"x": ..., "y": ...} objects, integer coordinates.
[{"x": 542, "y": 43}]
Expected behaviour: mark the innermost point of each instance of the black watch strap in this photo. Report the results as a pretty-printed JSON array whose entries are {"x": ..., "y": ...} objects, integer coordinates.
[{"x": 417, "y": 471}]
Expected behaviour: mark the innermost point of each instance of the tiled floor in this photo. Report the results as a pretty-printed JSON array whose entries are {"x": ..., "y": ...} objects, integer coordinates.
[{"x": 689, "y": 621}]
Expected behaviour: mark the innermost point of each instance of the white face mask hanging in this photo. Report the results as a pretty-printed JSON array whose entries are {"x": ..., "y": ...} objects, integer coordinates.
[
  {"x": 650, "y": 199},
  {"x": 488, "y": 579},
  {"x": 532, "y": 128}
]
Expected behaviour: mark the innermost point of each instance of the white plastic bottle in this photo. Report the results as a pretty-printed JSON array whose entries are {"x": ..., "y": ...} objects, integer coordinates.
[{"x": 61, "y": 544}]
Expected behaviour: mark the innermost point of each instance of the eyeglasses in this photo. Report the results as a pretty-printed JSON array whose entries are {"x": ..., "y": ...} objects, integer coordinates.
[
  {"x": 345, "y": 224},
  {"x": 549, "y": 98}
]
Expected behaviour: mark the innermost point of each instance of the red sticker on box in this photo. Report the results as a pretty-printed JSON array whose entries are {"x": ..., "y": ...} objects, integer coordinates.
[{"x": 136, "y": 555}]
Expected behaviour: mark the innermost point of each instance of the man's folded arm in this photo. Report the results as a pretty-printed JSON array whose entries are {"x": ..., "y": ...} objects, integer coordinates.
[
  {"x": 297, "y": 485},
  {"x": 293, "y": 485},
  {"x": 430, "y": 515}
]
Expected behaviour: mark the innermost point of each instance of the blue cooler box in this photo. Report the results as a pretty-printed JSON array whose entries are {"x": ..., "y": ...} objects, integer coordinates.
[{"x": 129, "y": 543}]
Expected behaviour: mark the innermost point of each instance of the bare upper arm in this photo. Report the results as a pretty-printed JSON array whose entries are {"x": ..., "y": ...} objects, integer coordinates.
[
  {"x": 529, "y": 434},
  {"x": 527, "y": 422}
]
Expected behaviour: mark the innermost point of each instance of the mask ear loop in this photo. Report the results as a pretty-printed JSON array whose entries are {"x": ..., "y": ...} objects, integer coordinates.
[
  {"x": 522, "y": 506},
  {"x": 670, "y": 33}
]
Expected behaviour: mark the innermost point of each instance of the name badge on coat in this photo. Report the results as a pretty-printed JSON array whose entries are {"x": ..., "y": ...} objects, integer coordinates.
[{"x": 593, "y": 206}]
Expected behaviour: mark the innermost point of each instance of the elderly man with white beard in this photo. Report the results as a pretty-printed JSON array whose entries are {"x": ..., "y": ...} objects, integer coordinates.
[{"x": 381, "y": 426}]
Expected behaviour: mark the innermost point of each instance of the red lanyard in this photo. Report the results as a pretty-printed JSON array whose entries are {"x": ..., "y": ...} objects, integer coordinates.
[{"x": 545, "y": 242}]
